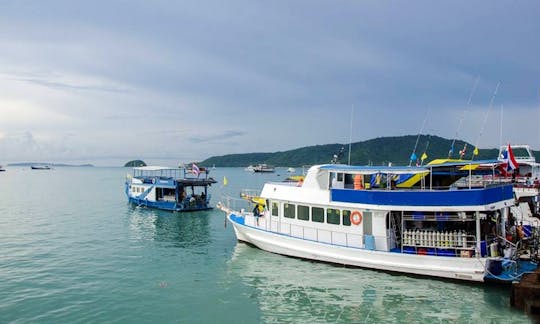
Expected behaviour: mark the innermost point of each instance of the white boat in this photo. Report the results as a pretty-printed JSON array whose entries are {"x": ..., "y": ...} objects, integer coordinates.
[
  {"x": 173, "y": 189},
  {"x": 291, "y": 170},
  {"x": 360, "y": 216},
  {"x": 40, "y": 167},
  {"x": 263, "y": 168},
  {"x": 526, "y": 182},
  {"x": 260, "y": 168}
]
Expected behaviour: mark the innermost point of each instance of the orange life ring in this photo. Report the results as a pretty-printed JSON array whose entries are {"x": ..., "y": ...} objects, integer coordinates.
[{"x": 356, "y": 217}]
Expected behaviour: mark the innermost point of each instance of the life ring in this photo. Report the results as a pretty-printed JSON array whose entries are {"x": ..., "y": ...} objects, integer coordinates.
[{"x": 356, "y": 217}]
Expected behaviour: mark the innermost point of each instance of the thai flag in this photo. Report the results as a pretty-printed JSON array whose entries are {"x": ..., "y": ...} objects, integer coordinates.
[
  {"x": 195, "y": 170},
  {"x": 508, "y": 157}
]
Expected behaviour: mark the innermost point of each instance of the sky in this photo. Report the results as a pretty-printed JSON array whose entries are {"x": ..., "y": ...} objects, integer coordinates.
[{"x": 170, "y": 82}]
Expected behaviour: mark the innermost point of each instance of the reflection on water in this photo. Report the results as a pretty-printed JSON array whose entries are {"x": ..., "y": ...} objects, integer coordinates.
[
  {"x": 293, "y": 290},
  {"x": 179, "y": 229}
]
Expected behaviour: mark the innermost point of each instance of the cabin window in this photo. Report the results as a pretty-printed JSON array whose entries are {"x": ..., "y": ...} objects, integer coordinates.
[
  {"x": 346, "y": 218},
  {"x": 349, "y": 181},
  {"x": 289, "y": 210},
  {"x": 332, "y": 216},
  {"x": 275, "y": 208},
  {"x": 317, "y": 214},
  {"x": 303, "y": 212}
]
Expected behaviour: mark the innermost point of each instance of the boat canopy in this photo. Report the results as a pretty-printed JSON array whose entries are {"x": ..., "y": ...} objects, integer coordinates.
[{"x": 352, "y": 169}]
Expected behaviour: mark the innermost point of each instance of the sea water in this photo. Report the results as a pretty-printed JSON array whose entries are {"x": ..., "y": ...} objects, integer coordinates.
[{"x": 72, "y": 250}]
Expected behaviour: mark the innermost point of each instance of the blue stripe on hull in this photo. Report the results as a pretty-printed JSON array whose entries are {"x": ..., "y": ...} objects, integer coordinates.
[
  {"x": 165, "y": 205},
  {"x": 465, "y": 197}
]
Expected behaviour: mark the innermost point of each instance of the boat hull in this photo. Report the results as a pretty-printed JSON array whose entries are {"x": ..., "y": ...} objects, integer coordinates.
[
  {"x": 468, "y": 269},
  {"x": 169, "y": 206}
]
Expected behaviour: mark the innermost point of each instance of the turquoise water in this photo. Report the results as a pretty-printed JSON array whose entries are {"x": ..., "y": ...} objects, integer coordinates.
[{"x": 73, "y": 251}]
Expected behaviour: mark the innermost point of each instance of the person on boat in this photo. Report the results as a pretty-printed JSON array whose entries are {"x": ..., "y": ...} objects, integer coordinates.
[
  {"x": 258, "y": 212},
  {"x": 520, "y": 232},
  {"x": 203, "y": 197}
]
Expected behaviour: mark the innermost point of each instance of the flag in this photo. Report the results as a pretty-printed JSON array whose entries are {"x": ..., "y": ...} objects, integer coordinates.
[
  {"x": 511, "y": 160},
  {"x": 195, "y": 170},
  {"x": 424, "y": 156},
  {"x": 462, "y": 152},
  {"x": 476, "y": 151},
  {"x": 225, "y": 181}
]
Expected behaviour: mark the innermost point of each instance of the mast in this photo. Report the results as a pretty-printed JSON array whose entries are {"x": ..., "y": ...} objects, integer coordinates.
[
  {"x": 413, "y": 154},
  {"x": 501, "y": 127},
  {"x": 473, "y": 90},
  {"x": 486, "y": 118},
  {"x": 350, "y": 133}
]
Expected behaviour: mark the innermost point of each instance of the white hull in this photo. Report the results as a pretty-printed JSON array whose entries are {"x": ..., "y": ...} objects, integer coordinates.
[{"x": 470, "y": 269}]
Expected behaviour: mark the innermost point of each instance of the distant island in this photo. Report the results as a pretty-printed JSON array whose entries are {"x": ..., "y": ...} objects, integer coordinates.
[
  {"x": 135, "y": 163},
  {"x": 378, "y": 151},
  {"x": 49, "y": 164}
]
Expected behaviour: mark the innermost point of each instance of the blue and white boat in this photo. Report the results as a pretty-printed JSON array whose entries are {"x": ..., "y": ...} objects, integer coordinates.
[
  {"x": 40, "y": 167},
  {"x": 361, "y": 216},
  {"x": 173, "y": 189}
]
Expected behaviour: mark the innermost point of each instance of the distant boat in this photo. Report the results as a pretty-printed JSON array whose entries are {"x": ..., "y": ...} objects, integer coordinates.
[
  {"x": 291, "y": 170},
  {"x": 40, "y": 167},
  {"x": 263, "y": 168},
  {"x": 173, "y": 189},
  {"x": 2, "y": 169}
]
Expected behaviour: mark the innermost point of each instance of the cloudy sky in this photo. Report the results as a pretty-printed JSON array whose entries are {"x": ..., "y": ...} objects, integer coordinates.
[{"x": 104, "y": 82}]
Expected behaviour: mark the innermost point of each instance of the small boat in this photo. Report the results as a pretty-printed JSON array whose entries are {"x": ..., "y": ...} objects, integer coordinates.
[
  {"x": 263, "y": 168},
  {"x": 360, "y": 216},
  {"x": 291, "y": 170},
  {"x": 40, "y": 167},
  {"x": 2, "y": 169},
  {"x": 173, "y": 189}
]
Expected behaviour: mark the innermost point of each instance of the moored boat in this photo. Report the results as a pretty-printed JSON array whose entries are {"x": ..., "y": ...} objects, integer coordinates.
[
  {"x": 360, "y": 216},
  {"x": 173, "y": 189},
  {"x": 40, "y": 167},
  {"x": 263, "y": 168}
]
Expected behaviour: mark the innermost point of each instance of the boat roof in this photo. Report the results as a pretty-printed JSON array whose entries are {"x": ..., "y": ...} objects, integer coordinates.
[
  {"x": 461, "y": 163},
  {"x": 369, "y": 169},
  {"x": 154, "y": 168},
  {"x": 195, "y": 181}
]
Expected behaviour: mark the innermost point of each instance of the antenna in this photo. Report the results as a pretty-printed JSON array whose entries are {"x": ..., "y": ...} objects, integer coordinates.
[
  {"x": 486, "y": 118},
  {"x": 413, "y": 154},
  {"x": 473, "y": 90},
  {"x": 501, "y": 127},
  {"x": 350, "y": 133}
]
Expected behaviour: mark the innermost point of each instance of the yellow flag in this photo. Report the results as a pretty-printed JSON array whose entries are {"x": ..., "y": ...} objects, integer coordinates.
[
  {"x": 424, "y": 156},
  {"x": 225, "y": 181},
  {"x": 475, "y": 152}
]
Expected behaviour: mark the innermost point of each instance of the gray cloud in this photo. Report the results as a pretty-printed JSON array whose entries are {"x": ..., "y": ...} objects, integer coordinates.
[{"x": 154, "y": 73}]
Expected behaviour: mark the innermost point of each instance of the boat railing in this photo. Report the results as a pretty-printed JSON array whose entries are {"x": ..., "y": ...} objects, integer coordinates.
[
  {"x": 235, "y": 204},
  {"x": 249, "y": 194}
]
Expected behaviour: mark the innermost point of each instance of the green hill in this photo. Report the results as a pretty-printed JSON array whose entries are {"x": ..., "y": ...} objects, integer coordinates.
[
  {"x": 135, "y": 163},
  {"x": 378, "y": 151}
]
